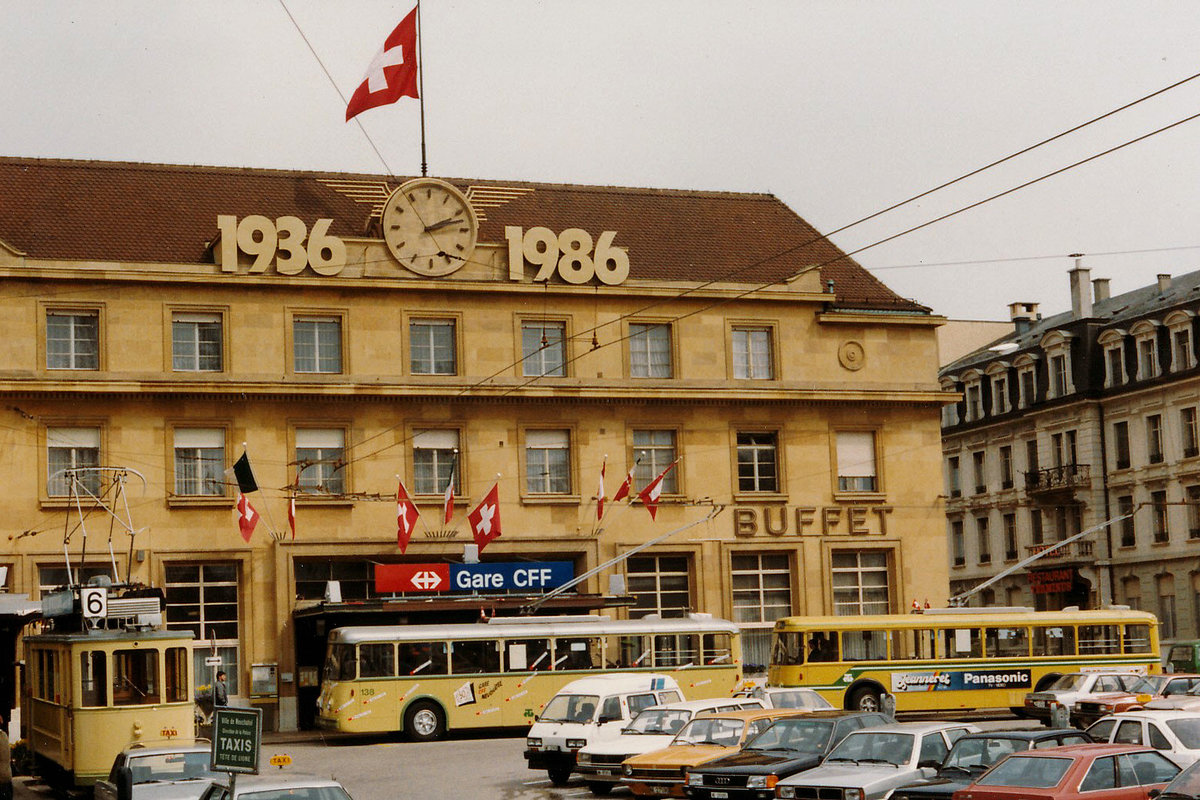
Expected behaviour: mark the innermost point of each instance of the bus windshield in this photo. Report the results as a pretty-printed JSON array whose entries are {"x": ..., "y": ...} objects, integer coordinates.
[{"x": 339, "y": 664}]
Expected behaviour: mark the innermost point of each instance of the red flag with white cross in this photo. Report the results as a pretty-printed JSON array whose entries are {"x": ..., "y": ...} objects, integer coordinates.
[
  {"x": 392, "y": 73},
  {"x": 485, "y": 519}
]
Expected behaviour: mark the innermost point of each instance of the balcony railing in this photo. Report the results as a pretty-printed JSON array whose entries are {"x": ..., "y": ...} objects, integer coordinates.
[
  {"x": 1082, "y": 549},
  {"x": 1066, "y": 478}
]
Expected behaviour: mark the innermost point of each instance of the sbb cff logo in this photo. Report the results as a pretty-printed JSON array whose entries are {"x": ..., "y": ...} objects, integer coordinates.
[{"x": 412, "y": 577}]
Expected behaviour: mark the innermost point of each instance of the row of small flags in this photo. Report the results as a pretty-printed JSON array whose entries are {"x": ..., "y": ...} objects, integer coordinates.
[{"x": 484, "y": 520}]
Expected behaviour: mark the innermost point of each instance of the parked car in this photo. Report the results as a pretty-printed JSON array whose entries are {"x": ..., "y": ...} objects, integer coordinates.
[
  {"x": 662, "y": 773},
  {"x": 177, "y": 770},
  {"x": 1183, "y": 657},
  {"x": 870, "y": 763},
  {"x": 787, "y": 697},
  {"x": 275, "y": 786},
  {"x": 653, "y": 729},
  {"x": 1073, "y": 687},
  {"x": 787, "y": 747},
  {"x": 590, "y": 710},
  {"x": 1175, "y": 734},
  {"x": 1184, "y": 786},
  {"x": 1078, "y": 772},
  {"x": 1149, "y": 688},
  {"x": 972, "y": 754}
]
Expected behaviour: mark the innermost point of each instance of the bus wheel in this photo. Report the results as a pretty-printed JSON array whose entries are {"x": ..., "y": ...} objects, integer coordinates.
[
  {"x": 600, "y": 787},
  {"x": 424, "y": 722},
  {"x": 865, "y": 700},
  {"x": 559, "y": 775}
]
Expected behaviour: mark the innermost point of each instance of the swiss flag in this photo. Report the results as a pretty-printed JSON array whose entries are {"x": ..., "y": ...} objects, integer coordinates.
[
  {"x": 626, "y": 485},
  {"x": 292, "y": 515},
  {"x": 600, "y": 492},
  {"x": 392, "y": 73},
  {"x": 649, "y": 496},
  {"x": 406, "y": 516},
  {"x": 485, "y": 519},
  {"x": 247, "y": 516}
]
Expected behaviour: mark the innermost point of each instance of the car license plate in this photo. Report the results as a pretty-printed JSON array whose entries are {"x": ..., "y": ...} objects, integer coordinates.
[
  {"x": 720, "y": 795},
  {"x": 1039, "y": 703},
  {"x": 604, "y": 772},
  {"x": 662, "y": 790}
]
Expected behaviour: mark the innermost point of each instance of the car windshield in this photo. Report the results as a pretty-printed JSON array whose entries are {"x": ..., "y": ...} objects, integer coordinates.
[
  {"x": 879, "y": 747},
  {"x": 298, "y": 793},
  {"x": 159, "y": 767},
  {"x": 1068, "y": 683},
  {"x": 658, "y": 721},
  {"x": 1027, "y": 771},
  {"x": 570, "y": 708},
  {"x": 711, "y": 730},
  {"x": 1185, "y": 783},
  {"x": 1151, "y": 684},
  {"x": 799, "y": 698},
  {"x": 802, "y": 735},
  {"x": 1188, "y": 731},
  {"x": 979, "y": 754}
]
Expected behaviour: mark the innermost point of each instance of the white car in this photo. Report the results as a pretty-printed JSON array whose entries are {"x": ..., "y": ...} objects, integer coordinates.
[
  {"x": 159, "y": 771},
  {"x": 275, "y": 786},
  {"x": 653, "y": 729},
  {"x": 869, "y": 763},
  {"x": 784, "y": 697},
  {"x": 1176, "y": 734},
  {"x": 1072, "y": 687}
]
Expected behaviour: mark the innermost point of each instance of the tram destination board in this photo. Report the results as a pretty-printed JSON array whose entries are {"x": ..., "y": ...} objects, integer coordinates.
[{"x": 236, "y": 736}]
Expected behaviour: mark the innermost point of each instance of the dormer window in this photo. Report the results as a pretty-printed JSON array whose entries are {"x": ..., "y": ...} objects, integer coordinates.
[
  {"x": 1146, "y": 343},
  {"x": 1058, "y": 354},
  {"x": 949, "y": 410},
  {"x": 1113, "y": 342},
  {"x": 1026, "y": 382},
  {"x": 999, "y": 377},
  {"x": 1058, "y": 375},
  {"x": 1182, "y": 352},
  {"x": 974, "y": 401}
]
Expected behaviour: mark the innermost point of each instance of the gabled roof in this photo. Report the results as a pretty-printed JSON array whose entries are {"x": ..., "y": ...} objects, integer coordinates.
[{"x": 132, "y": 212}]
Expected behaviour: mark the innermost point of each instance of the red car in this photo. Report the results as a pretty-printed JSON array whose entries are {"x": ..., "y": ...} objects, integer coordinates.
[{"x": 1076, "y": 772}]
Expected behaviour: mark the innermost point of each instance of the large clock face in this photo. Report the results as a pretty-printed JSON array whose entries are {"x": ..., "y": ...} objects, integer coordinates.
[{"x": 429, "y": 226}]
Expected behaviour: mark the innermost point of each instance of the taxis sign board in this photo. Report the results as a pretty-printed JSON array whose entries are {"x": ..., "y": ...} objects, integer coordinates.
[
  {"x": 520, "y": 576},
  {"x": 235, "y": 739}
]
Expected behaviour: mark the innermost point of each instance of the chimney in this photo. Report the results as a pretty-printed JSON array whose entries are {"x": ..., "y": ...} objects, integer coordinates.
[
  {"x": 1164, "y": 282},
  {"x": 1081, "y": 298},
  {"x": 1100, "y": 289},
  {"x": 1022, "y": 315}
]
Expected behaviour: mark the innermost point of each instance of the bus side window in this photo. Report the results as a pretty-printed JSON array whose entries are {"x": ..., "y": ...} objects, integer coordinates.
[
  {"x": 822, "y": 646},
  {"x": 176, "y": 683},
  {"x": 962, "y": 643},
  {"x": 1137, "y": 639},
  {"x": 717, "y": 648},
  {"x": 1098, "y": 640},
  {"x": 376, "y": 660},
  {"x": 629, "y": 652},
  {"x": 135, "y": 677},
  {"x": 422, "y": 658},
  {"x": 864, "y": 645},
  {"x": 1007, "y": 642},
  {"x": 786, "y": 649},
  {"x": 575, "y": 653},
  {"x": 914, "y": 645},
  {"x": 527, "y": 655},
  {"x": 94, "y": 678},
  {"x": 675, "y": 650}
]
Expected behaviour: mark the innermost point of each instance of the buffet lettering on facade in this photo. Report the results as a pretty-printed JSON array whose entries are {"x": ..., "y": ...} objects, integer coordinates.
[{"x": 810, "y": 520}]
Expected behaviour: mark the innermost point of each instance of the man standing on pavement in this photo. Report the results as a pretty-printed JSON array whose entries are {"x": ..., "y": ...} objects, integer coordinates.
[{"x": 220, "y": 693}]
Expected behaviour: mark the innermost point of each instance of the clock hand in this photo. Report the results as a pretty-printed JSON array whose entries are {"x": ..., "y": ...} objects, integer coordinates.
[{"x": 438, "y": 225}]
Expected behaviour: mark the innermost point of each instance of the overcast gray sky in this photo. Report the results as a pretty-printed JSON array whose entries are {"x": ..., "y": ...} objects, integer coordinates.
[{"x": 838, "y": 108}]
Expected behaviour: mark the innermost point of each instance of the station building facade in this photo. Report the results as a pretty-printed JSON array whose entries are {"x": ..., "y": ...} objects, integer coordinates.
[
  {"x": 1081, "y": 420},
  {"x": 351, "y": 332}
]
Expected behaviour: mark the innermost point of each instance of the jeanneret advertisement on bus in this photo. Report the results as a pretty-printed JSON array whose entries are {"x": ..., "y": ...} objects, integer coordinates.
[{"x": 959, "y": 680}]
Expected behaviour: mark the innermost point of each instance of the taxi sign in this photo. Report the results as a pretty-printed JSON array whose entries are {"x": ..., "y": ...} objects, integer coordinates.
[
  {"x": 168, "y": 733},
  {"x": 236, "y": 736},
  {"x": 280, "y": 760}
]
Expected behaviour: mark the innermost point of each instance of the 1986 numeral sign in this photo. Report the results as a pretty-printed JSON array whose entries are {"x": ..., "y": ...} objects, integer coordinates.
[
  {"x": 569, "y": 253},
  {"x": 282, "y": 241}
]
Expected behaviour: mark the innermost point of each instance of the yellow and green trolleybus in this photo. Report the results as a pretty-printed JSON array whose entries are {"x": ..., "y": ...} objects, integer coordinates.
[
  {"x": 91, "y": 693},
  {"x": 427, "y": 679},
  {"x": 956, "y": 658}
]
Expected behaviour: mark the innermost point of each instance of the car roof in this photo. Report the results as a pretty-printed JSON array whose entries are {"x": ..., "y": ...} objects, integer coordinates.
[
  {"x": 915, "y": 727},
  {"x": 826, "y": 713},
  {"x": 166, "y": 746},
  {"x": 275, "y": 780},
  {"x": 1028, "y": 735},
  {"x": 693, "y": 705},
  {"x": 1095, "y": 749},
  {"x": 760, "y": 713},
  {"x": 1155, "y": 713}
]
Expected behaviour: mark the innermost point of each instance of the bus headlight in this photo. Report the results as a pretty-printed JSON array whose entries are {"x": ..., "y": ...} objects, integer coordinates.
[
  {"x": 534, "y": 742},
  {"x": 575, "y": 744}
]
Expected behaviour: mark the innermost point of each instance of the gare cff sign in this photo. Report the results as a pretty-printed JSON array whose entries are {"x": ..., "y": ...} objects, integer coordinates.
[{"x": 435, "y": 578}]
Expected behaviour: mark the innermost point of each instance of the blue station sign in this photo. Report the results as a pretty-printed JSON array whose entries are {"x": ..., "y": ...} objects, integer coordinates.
[{"x": 521, "y": 576}]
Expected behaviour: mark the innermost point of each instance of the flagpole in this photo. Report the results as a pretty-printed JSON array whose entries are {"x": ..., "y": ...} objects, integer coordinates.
[{"x": 421, "y": 90}]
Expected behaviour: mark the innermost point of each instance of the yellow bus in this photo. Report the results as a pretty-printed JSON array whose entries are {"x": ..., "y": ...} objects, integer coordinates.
[
  {"x": 427, "y": 679},
  {"x": 91, "y": 693},
  {"x": 956, "y": 658}
]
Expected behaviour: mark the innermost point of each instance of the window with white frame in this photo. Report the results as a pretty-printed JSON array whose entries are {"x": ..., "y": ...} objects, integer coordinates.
[
  {"x": 752, "y": 353},
  {"x": 1189, "y": 433},
  {"x": 660, "y": 585},
  {"x": 860, "y": 582},
  {"x": 762, "y": 586},
  {"x": 196, "y": 342},
  {"x": 320, "y": 460},
  {"x": 200, "y": 462},
  {"x": 1154, "y": 439},
  {"x": 548, "y": 462},
  {"x": 653, "y": 451},
  {"x": 856, "y": 469},
  {"x": 203, "y": 599},
  {"x": 432, "y": 348},
  {"x": 1182, "y": 351},
  {"x": 317, "y": 344},
  {"x": 70, "y": 455},
  {"x": 72, "y": 339},
  {"x": 1146, "y": 344},
  {"x": 1000, "y": 393},
  {"x": 757, "y": 462},
  {"x": 974, "y": 400},
  {"x": 1113, "y": 343},
  {"x": 949, "y": 410},
  {"x": 650, "y": 350},
  {"x": 543, "y": 348},
  {"x": 435, "y": 460},
  {"x": 1026, "y": 386},
  {"x": 1059, "y": 379}
]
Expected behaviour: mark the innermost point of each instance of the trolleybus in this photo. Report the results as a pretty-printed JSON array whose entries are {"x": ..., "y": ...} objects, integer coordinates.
[
  {"x": 956, "y": 658},
  {"x": 427, "y": 679}
]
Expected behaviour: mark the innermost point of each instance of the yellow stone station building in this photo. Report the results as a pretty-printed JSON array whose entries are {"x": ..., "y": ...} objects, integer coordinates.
[{"x": 350, "y": 332}]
